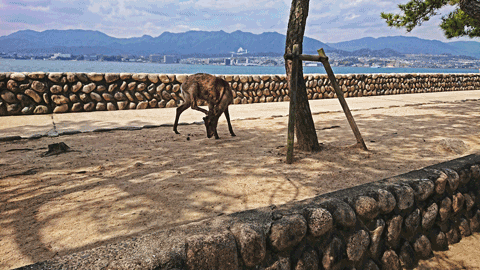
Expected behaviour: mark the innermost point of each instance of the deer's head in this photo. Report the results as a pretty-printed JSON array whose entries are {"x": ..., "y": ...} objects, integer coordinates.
[{"x": 211, "y": 125}]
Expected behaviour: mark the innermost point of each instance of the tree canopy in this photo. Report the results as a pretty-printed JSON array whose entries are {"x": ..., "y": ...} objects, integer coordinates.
[{"x": 463, "y": 21}]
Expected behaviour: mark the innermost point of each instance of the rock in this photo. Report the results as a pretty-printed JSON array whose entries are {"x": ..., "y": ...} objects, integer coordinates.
[
  {"x": 320, "y": 221},
  {"x": 445, "y": 209},
  {"x": 440, "y": 182},
  {"x": 342, "y": 213},
  {"x": 112, "y": 87},
  {"x": 153, "y": 103},
  {"x": 76, "y": 87},
  {"x": 171, "y": 104},
  {"x": 82, "y": 77},
  {"x": 101, "y": 88},
  {"x": 101, "y": 106},
  {"x": 122, "y": 105},
  {"x": 390, "y": 260},
  {"x": 164, "y": 78},
  {"x": 464, "y": 228},
  {"x": 71, "y": 77},
  {"x": 287, "y": 232},
  {"x": 429, "y": 215},
  {"x": 40, "y": 109},
  {"x": 38, "y": 86},
  {"x": 455, "y": 146},
  {"x": 422, "y": 247},
  {"x": 142, "y": 105},
  {"x": 108, "y": 97},
  {"x": 457, "y": 202},
  {"x": 55, "y": 77},
  {"x": 77, "y": 107},
  {"x": 453, "y": 235},
  {"x": 453, "y": 179},
  {"x": 12, "y": 85},
  {"x": 88, "y": 107},
  {"x": 141, "y": 77},
  {"x": 18, "y": 76},
  {"x": 357, "y": 244},
  {"x": 370, "y": 265},
  {"x": 61, "y": 108},
  {"x": 153, "y": 78},
  {"x": 412, "y": 222},
  {"x": 8, "y": 96},
  {"x": 125, "y": 76},
  {"x": 217, "y": 251},
  {"x": 95, "y": 77},
  {"x": 139, "y": 96},
  {"x": 333, "y": 254},
  {"x": 404, "y": 196},
  {"x": 141, "y": 87},
  {"x": 283, "y": 263},
  {"x": 423, "y": 189},
  {"x": 96, "y": 97},
  {"x": 56, "y": 89},
  {"x": 13, "y": 108},
  {"x": 385, "y": 200},
  {"x": 438, "y": 240},
  {"x": 251, "y": 242},
  {"x": 132, "y": 106},
  {"x": 376, "y": 237},
  {"x": 111, "y": 77},
  {"x": 469, "y": 201},
  {"x": 60, "y": 99},
  {"x": 475, "y": 169},
  {"x": 475, "y": 221},
  {"x": 308, "y": 261},
  {"x": 394, "y": 228},
  {"x": 407, "y": 255},
  {"x": 366, "y": 207},
  {"x": 111, "y": 106},
  {"x": 28, "y": 110},
  {"x": 33, "y": 95},
  {"x": 89, "y": 88},
  {"x": 120, "y": 96},
  {"x": 132, "y": 86},
  {"x": 176, "y": 88},
  {"x": 36, "y": 75},
  {"x": 182, "y": 78}
]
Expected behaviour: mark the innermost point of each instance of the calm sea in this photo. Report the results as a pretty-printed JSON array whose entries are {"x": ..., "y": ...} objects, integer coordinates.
[{"x": 10, "y": 65}]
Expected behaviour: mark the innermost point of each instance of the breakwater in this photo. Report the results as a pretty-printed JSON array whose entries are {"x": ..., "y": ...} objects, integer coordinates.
[{"x": 56, "y": 92}]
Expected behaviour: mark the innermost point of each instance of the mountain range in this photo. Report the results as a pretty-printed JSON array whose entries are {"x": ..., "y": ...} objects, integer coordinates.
[{"x": 204, "y": 43}]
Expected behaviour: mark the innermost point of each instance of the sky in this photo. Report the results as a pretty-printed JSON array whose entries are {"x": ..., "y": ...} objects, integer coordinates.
[{"x": 328, "y": 20}]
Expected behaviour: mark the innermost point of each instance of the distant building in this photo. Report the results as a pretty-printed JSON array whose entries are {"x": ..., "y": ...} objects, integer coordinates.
[
  {"x": 228, "y": 62},
  {"x": 90, "y": 57},
  {"x": 169, "y": 59},
  {"x": 61, "y": 56},
  {"x": 155, "y": 58}
]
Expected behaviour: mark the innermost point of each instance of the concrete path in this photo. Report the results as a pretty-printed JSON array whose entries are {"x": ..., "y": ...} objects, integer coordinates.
[{"x": 31, "y": 126}]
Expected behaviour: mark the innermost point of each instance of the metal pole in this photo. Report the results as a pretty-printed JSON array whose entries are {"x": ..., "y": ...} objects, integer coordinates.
[
  {"x": 293, "y": 103},
  {"x": 341, "y": 98}
]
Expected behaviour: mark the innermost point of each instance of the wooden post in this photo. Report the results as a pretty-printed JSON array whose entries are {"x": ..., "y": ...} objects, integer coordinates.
[
  {"x": 341, "y": 98},
  {"x": 293, "y": 103}
]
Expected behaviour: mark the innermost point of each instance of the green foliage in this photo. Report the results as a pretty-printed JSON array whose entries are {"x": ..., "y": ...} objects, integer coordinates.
[{"x": 415, "y": 12}]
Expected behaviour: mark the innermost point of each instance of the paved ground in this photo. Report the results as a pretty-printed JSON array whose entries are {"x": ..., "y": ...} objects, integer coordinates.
[{"x": 40, "y": 125}]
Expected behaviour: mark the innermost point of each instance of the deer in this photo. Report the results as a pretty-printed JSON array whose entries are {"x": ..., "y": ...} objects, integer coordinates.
[{"x": 215, "y": 91}]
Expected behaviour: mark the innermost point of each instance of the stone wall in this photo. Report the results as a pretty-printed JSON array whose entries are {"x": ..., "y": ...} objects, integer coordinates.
[
  {"x": 387, "y": 224},
  {"x": 40, "y": 92}
]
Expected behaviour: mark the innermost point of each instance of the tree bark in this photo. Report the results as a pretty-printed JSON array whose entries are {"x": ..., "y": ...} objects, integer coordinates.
[
  {"x": 471, "y": 8},
  {"x": 305, "y": 128}
]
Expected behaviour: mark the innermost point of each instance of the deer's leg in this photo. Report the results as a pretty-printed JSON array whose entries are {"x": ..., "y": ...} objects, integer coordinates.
[
  {"x": 227, "y": 115},
  {"x": 180, "y": 110},
  {"x": 195, "y": 105}
]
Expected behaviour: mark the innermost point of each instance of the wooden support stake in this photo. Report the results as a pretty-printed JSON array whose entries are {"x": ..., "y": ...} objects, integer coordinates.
[
  {"x": 341, "y": 98},
  {"x": 293, "y": 103}
]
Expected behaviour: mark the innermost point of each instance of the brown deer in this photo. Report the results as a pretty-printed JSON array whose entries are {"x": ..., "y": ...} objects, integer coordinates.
[{"x": 215, "y": 91}]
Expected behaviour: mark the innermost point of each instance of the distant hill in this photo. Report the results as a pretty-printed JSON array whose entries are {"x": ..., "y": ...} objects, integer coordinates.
[
  {"x": 188, "y": 43},
  {"x": 205, "y": 43},
  {"x": 411, "y": 45}
]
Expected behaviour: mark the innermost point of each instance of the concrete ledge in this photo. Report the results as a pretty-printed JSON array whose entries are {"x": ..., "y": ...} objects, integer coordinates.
[{"x": 388, "y": 224}]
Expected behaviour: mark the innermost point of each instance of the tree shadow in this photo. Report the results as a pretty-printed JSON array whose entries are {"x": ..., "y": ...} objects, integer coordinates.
[{"x": 123, "y": 183}]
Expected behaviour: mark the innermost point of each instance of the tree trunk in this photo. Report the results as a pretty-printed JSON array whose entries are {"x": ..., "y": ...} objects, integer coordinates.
[
  {"x": 305, "y": 128},
  {"x": 471, "y": 8}
]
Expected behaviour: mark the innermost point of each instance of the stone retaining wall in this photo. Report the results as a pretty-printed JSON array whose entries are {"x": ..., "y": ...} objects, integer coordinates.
[
  {"x": 388, "y": 224},
  {"x": 41, "y": 93}
]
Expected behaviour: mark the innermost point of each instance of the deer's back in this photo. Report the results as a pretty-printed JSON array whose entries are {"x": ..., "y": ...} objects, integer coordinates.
[{"x": 208, "y": 87}]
